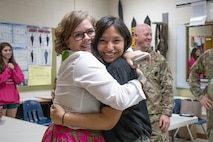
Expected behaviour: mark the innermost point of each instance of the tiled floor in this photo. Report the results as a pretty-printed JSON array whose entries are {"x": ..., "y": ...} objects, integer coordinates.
[{"x": 195, "y": 140}]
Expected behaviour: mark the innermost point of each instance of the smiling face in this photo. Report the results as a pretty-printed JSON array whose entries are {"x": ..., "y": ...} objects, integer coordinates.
[
  {"x": 82, "y": 44},
  {"x": 111, "y": 45},
  {"x": 6, "y": 53},
  {"x": 198, "y": 52},
  {"x": 143, "y": 37}
]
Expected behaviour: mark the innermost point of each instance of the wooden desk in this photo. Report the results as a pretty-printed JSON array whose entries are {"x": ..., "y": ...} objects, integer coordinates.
[
  {"x": 41, "y": 99},
  {"x": 16, "y": 130},
  {"x": 177, "y": 121}
]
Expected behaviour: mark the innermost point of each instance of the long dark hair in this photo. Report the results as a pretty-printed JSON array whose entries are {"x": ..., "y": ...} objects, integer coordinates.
[
  {"x": 105, "y": 23},
  {"x": 193, "y": 53},
  {"x": 11, "y": 60}
]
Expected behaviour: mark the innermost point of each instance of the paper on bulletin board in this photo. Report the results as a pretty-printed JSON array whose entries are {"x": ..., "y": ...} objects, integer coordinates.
[{"x": 39, "y": 75}]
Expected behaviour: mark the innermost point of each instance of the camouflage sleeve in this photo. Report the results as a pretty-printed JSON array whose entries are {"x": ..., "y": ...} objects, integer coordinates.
[
  {"x": 197, "y": 69},
  {"x": 166, "y": 81}
]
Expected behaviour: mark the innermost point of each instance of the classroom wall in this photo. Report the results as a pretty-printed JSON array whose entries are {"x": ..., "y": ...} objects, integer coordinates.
[
  {"x": 49, "y": 13},
  {"x": 139, "y": 9}
]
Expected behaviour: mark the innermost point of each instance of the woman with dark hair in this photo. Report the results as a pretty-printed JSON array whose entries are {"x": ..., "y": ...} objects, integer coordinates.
[
  {"x": 193, "y": 56},
  {"x": 110, "y": 43},
  {"x": 10, "y": 75}
]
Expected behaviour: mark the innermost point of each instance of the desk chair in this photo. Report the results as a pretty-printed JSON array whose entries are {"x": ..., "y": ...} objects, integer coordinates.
[
  {"x": 200, "y": 121},
  {"x": 176, "y": 110},
  {"x": 33, "y": 113},
  {"x": 177, "y": 105}
]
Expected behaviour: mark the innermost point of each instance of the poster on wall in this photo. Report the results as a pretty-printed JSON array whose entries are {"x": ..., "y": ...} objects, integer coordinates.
[{"x": 32, "y": 47}]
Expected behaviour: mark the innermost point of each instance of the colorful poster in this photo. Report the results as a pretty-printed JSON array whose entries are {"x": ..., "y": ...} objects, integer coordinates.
[{"x": 32, "y": 46}]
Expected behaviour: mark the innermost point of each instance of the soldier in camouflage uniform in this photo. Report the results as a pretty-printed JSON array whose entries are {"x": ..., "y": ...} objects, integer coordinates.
[
  {"x": 159, "y": 91},
  {"x": 204, "y": 65}
]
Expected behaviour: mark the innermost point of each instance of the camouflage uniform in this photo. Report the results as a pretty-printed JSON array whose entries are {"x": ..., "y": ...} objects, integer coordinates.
[
  {"x": 159, "y": 92},
  {"x": 204, "y": 64}
]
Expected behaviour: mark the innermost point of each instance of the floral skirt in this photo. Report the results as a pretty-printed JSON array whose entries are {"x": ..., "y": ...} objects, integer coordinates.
[{"x": 58, "y": 133}]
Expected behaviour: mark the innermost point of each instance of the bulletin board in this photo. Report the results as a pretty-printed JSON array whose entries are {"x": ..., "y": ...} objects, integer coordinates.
[{"x": 33, "y": 49}]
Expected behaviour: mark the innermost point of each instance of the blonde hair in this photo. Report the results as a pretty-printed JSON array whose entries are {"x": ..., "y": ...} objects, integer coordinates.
[{"x": 67, "y": 25}]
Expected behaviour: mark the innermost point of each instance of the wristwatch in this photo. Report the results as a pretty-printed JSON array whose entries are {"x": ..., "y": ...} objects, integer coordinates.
[{"x": 142, "y": 79}]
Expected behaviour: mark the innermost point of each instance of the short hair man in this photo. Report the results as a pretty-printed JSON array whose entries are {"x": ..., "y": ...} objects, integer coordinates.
[{"x": 160, "y": 100}]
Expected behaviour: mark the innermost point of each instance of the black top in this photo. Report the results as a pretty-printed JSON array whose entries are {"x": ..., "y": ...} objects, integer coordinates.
[{"x": 134, "y": 121}]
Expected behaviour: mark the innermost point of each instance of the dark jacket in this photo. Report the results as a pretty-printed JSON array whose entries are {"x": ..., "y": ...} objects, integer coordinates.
[{"x": 134, "y": 121}]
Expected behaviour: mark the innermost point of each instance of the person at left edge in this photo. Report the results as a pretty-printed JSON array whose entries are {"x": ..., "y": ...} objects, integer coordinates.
[{"x": 10, "y": 76}]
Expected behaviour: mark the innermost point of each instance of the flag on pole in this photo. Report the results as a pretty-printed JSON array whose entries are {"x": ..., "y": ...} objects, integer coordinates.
[
  {"x": 133, "y": 29},
  {"x": 147, "y": 20},
  {"x": 120, "y": 10}
]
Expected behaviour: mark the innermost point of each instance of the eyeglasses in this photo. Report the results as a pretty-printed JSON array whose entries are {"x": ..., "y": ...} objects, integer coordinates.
[{"x": 80, "y": 35}]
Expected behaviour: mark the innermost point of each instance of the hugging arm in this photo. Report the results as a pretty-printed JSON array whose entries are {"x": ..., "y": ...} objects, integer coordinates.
[
  {"x": 105, "y": 120},
  {"x": 96, "y": 80},
  {"x": 132, "y": 55}
]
